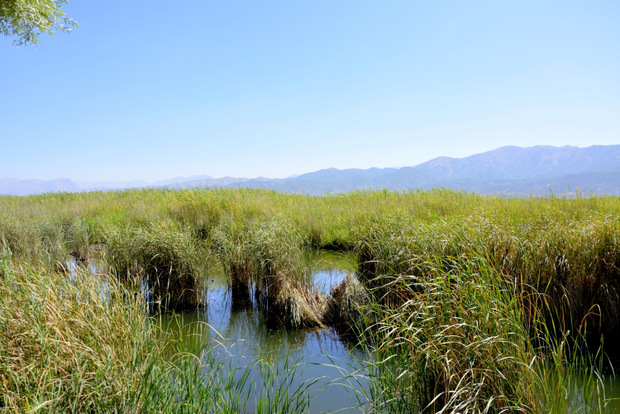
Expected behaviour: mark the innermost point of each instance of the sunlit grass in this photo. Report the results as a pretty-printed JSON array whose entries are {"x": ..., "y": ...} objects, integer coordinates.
[{"x": 469, "y": 303}]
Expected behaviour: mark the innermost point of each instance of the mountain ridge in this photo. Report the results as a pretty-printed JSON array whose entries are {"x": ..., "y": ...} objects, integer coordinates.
[{"x": 509, "y": 170}]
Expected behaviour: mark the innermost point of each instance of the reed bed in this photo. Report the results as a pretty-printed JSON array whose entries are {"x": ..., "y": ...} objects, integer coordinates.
[
  {"x": 266, "y": 257},
  {"x": 453, "y": 344},
  {"x": 84, "y": 343},
  {"x": 162, "y": 257},
  {"x": 574, "y": 266},
  {"x": 456, "y": 343},
  {"x": 457, "y": 293},
  {"x": 68, "y": 344}
]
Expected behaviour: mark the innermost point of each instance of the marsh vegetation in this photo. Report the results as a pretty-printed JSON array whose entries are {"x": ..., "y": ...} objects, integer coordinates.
[{"x": 457, "y": 302}]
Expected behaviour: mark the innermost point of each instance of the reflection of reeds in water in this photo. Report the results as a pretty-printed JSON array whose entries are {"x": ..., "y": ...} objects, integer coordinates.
[
  {"x": 248, "y": 329},
  {"x": 266, "y": 258}
]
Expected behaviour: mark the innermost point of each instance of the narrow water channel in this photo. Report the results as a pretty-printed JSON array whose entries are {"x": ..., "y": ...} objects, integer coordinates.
[{"x": 242, "y": 337}]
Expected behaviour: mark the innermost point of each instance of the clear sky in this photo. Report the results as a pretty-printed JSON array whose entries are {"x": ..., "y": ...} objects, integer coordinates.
[{"x": 159, "y": 89}]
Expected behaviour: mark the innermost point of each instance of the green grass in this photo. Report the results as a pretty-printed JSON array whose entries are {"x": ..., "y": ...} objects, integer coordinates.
[
  {"x": 165, "y": 256},
  {"x": 69, "y": 344},
  {"x": 266, "y": 257},
  {"x": 454, "y": 341},
  {"x": 469, "y": 303},
  {"x": 87, "y": 344}
]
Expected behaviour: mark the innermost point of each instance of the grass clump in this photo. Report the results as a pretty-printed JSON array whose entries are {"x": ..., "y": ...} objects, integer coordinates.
[
  {"x": 80, "y": 237},
  {"x": 266, "y": 257},
  {"x": 164, "y": 258},
  {"x": 276, "y": 250},
  {"x": 454, "y": 343},
  {"x": 68, "y": 345},
  {"x": 348, "y": 306}
]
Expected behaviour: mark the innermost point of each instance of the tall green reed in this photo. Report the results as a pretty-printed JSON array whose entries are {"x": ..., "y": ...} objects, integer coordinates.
[
  {"x": 68, "y": 344},
  {"x": 455, "y": 341},
  {"x": 165, "y": 257},
  {"x": 266, "y": 256}
]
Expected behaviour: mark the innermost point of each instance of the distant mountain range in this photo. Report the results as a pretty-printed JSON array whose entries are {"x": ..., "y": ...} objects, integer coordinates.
[{"x": 515, "y": 171}]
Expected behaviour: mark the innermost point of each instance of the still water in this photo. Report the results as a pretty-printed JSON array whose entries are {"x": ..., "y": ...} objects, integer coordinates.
[{"x": 241, "y": 336}]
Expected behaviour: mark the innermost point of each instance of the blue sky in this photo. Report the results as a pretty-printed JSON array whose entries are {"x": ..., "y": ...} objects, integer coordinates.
[{"x": 153, "y": 90}]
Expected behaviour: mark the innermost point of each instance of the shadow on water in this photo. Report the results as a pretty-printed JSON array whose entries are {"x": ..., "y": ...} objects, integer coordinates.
[{"x": 239, "y": 333}]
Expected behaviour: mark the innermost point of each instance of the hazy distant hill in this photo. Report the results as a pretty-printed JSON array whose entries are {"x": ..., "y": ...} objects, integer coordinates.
[
  {"x": 505, "y": 171},
  {"x": 206, "y": 182},
  {"x": 13, "y": 186},
  {"x": 516, "y": 163},
  {"x": 509, "y": 170}
]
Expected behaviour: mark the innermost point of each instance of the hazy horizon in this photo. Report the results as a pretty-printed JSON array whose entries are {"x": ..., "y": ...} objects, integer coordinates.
[{"x": 177, "y": 179}]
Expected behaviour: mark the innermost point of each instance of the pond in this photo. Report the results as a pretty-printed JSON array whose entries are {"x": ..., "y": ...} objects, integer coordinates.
[{"x": 243, "y": 336}]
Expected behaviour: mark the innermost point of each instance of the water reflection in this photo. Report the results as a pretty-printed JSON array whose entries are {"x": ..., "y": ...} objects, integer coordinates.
[
  {"x": 327, "y": 269},
  {"x": 241, "y": 335},
  {"x": 612, "y": 393},
  {"x": 92, "y": 270},
  {"x": 73, "y": 267}
]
